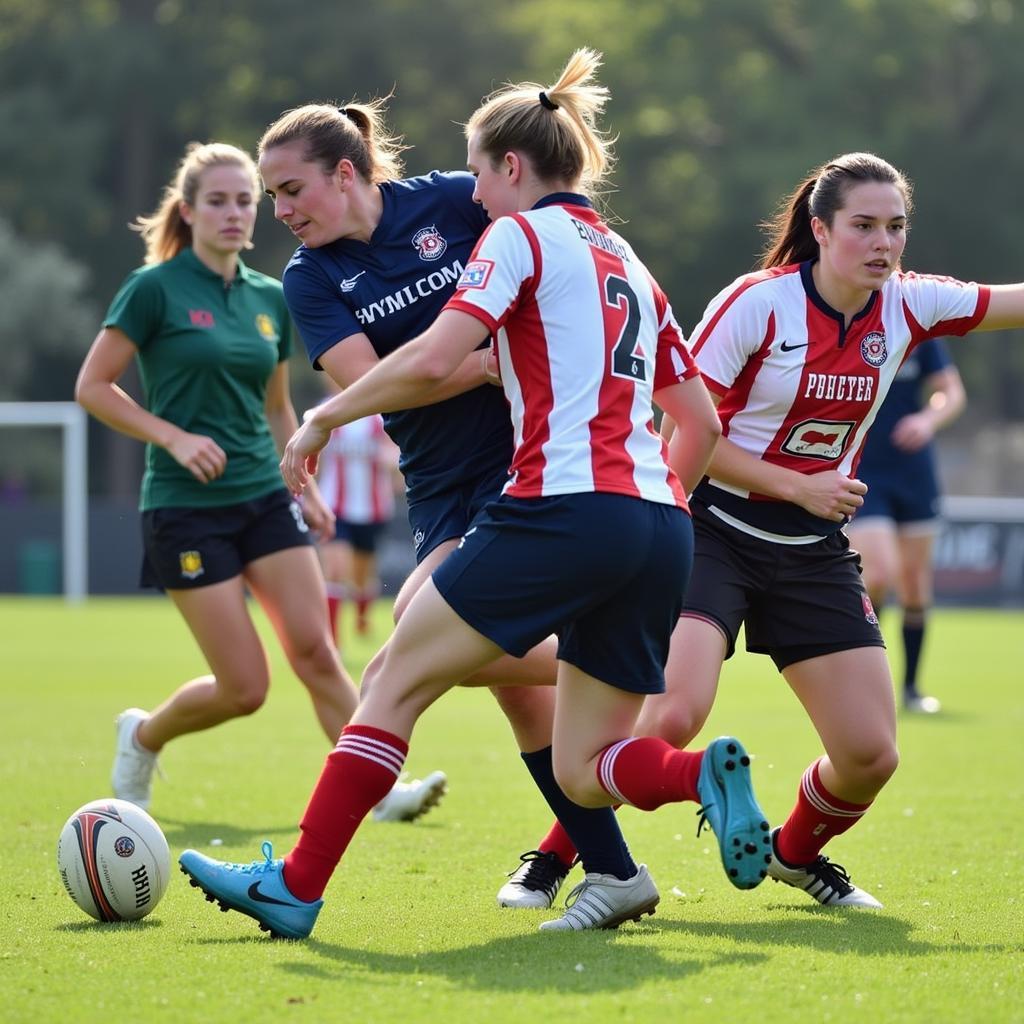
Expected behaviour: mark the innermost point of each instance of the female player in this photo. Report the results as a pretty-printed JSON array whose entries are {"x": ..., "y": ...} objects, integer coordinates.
[
  {"x": 585, "y": 340},
  {"x": 798, "y": 357},
  {"x": 358, "y": 475},
  {"x": 380, "y": 256},
  {"x": 212, "y": 339},
  {"x": 894, "y": 530}
]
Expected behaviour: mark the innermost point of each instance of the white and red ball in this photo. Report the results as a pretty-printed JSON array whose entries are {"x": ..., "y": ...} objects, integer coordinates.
[{"x": 113, "y": 860}]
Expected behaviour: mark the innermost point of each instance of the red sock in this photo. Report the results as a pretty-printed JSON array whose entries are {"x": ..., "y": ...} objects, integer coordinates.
[
  {"x": 647, "y": 772},
  {"x": 359, "y": 773},
  {"x": 333, "y": 605},
  {"x": 817, "y": 817},
  {"x": 558, "y": 843}
]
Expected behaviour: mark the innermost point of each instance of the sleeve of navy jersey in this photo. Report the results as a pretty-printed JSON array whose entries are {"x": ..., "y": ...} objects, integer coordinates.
[
  {"x": 934, "y": 356},
  {"x": 321, "y": 317}
]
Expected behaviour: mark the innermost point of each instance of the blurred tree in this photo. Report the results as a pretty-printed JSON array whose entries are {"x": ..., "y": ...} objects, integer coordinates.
[{"x": 720, "y": 105}]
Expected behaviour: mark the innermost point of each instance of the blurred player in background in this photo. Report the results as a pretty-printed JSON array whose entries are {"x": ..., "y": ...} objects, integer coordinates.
[
  {"x": 357, "y": 478},
  {"x": 894, "y": 530},
  {"x": 212, "y": 340},
  {"x": 590, "y": 540}
]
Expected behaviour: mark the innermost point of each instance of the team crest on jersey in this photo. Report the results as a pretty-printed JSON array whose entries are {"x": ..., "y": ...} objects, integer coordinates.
[
  {"x": 818, "y": 439},
  {"x": 476, "y": 274},
  {"x": 267, "y": 328},
  {"x": 872, "y": 348},
  {"x": 429, "y": 243},
  {"x": 191, "y": 563},
  {"x": 869, "y": 610}
]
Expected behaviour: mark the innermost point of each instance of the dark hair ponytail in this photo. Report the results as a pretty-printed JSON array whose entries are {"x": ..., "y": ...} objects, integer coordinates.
[{"x": 821, "y": 194}]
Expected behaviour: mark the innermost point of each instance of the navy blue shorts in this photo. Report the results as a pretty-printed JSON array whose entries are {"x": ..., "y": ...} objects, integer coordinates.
[
  {"x": 447, "y": 515},
  {"x": 796, "y": 601},
  {"x": 604, "y": 572},
  {"x": 362, "y": 536},
  {"x": 902, "y": 497},
  {"x": 187, "y": 548}
]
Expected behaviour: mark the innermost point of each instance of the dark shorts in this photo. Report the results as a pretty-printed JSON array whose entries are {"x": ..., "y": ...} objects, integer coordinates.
[
  {"x": 797, "y": 601},
  {"x": 446, "y": 516},
  {"x": 604, "y": 572},
  {"x": 362, "y": 536},
  {"x": 912, "y": 497},
  {"x": 187, "y": 548}
]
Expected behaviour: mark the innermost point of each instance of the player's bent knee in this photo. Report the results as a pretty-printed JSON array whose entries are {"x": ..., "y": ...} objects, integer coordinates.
[{"x": 677, "y": 724}]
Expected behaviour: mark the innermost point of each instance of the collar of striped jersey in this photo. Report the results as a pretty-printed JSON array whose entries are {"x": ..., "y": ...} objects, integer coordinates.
[
  {"x": 813, "y": 294},
  {"x": 563, "y": 199}
]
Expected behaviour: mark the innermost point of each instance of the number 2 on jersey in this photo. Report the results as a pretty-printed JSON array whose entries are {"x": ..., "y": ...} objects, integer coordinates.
[{"x": 626, "y": 362}]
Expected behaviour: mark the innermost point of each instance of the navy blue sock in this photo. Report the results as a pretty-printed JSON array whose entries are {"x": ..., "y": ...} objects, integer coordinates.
[
  {"x": 594, "y": 831},
  {"x": 913, "y": 641}
]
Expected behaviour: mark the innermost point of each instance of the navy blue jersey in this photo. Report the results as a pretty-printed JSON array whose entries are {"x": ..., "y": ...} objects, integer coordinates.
[
  {"x": 391, "y": 289},
  {"x": 880, "y": 455}
]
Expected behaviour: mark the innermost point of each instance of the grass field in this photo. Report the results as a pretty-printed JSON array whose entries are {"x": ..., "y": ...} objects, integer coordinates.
[{"x": 411, "y": 932}]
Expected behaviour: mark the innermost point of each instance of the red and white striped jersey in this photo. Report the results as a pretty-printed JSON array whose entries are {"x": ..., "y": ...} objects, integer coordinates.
[
  {"x": 357, "y": 469},
  {"x": 584, "y": 337},
  {"x": 800, "y": 389}
]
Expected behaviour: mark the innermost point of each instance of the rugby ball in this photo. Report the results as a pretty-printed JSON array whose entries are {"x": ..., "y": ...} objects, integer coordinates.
[{"x": 113, "y": 860}]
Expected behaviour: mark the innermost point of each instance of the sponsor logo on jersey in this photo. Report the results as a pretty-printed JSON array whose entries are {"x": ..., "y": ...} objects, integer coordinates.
[
  {"x": 429, "y": 243},
  {"x": 349, "y": 283},
  {"x": 818, "y": 439},
  {"x": 200, "y": 317},
  {"x": 423, "y": 288},
  {"x": 872, "y": 348},
  {"x": 476, "y": 274},
  {"x": 267, "y": 328},
  {"x": 191, "y": 563},
  {"x": 787, "y": 347},
  {"x": 840, "y": 387}
]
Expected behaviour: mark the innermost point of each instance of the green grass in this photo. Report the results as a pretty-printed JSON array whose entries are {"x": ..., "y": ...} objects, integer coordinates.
[{"x": 411, "y": 933}]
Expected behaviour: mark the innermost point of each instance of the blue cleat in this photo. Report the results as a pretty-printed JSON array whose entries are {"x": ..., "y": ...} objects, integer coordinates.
[
  {"x": 729, "y": 806},
  {"x": 255, "y": 889}
]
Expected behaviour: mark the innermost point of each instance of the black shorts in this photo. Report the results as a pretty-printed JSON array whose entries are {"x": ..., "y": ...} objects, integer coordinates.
[
  {"x": 447, "y": 515},
  {"x": 605, "y": 572},
  {"x": 797, "y": 601},
  {"x": 361, "y": 536},
  {"x": 187, "y": 548}
]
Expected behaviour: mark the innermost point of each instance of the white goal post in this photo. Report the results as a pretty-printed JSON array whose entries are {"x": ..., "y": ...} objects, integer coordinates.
[{"x": 72, "y": 420}]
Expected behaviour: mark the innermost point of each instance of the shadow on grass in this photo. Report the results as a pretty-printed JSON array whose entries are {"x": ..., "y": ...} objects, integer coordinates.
[
  {"x": 851, "y": 932},
  {"x": 181, "y": 832},
  {"x": 197, "y": 834},
  {"x": 587, "y": 963},
  {"x": 92, "y": 927}
]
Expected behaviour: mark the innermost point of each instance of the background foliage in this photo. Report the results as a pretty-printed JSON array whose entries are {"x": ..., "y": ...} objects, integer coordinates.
[{"x": 720, "y": 107}]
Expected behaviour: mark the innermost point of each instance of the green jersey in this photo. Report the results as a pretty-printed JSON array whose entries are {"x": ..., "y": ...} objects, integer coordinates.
[{"x": 206, "y": 353}]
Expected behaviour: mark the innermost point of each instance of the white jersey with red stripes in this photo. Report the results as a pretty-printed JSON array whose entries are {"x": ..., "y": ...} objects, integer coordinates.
[
  {"x": 357, "y": 469},
  {"x": 584, "y": 337},
  {"x": 798, "y": 387}
]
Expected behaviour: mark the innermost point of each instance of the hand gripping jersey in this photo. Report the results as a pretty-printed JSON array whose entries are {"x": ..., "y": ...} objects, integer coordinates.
[
  {"x": 800, "y": 389},
  {"x": 357, "y": 472},
  {"x": 391, "y": 289},
  {"x": 584, "y": 337}
]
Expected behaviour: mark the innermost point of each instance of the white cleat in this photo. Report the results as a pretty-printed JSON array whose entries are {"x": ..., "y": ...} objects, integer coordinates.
[
  {"x": 827, "y": 882},
  {"x": 535, "y": 883},
  {"x": 407, "y": 801},
  {"x": 604, "y": 901},
  {"x": 919, "y": 704},
  {"x": 132, "y": 777}
]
